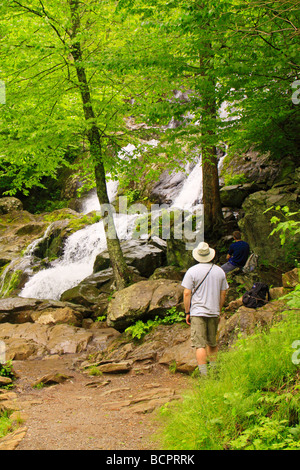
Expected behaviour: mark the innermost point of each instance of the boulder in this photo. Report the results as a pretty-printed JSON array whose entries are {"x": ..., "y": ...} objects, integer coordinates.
[
  {"x": 10, "y": 204},
  {"x": 291, "y": 279},
  {"x": 233, "y": 196},
  {"x": 181, "y": 356},
  {"x": 256, "y": 225},
  {"x": 143, "y": 255},
  {"x": 143, "y": 300},
  {"x": 168, "y": 272}
]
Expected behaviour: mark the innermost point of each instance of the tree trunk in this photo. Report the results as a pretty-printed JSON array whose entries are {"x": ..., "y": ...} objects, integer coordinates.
[
  {"x": 213, "y": 216},
  {"x": 120, "y": 269},
  {"x": 211, "y": 195}
]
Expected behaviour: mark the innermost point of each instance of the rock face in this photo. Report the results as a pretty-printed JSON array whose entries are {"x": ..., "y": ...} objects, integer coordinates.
[
  {"x": 246, "y": 320},
  {"x": 32, "y": 340},
  {"x": 17, "y": 230},
  {"x": 18, "y": 310},
  {"x": 168, "y": 345},
  {"x": 143, "y": 300}
]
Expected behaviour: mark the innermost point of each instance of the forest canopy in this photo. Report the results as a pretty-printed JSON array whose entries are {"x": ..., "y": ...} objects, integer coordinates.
[{"x": 135, "y": 53}]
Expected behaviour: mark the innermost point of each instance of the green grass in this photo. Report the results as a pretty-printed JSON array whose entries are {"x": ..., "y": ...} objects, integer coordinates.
[
  {"x": 5, "y": 425},
  {"x": 253, "y": 402}
]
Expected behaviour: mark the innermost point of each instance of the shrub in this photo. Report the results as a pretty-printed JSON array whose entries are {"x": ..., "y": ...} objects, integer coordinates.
[{"x": 252, "y": 403}]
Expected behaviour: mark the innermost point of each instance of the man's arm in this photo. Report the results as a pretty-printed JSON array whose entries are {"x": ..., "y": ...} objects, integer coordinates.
[
  {"x": 187, "y": 297},
  {"x": 222, "y": 299}
]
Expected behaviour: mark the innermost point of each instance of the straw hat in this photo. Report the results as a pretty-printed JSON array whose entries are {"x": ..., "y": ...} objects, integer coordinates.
[{"x": 203, "y": 253}]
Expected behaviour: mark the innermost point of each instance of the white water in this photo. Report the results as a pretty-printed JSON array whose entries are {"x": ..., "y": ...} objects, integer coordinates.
[
  {"x": 82, "y": 247},
  {"x": 80, "y": 252}
]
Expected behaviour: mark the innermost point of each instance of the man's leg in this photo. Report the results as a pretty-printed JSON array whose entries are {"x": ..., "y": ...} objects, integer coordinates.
[
  {"x": 227, "y": 267},
  {"x": 212, "y": 356},
  {"x": 212, "y": 353},
  {"x": 212, "y": 348},
  {"x": 201, "y": 357}
]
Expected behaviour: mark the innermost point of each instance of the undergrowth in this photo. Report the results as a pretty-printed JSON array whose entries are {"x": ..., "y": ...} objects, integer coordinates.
[
  {"x": 252, "y": 402},
  {"x": 6, "y": 370},
  {"x": 139, "y": 329}
]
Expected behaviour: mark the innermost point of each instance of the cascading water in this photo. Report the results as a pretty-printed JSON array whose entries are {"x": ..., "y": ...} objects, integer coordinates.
[
  {"x": 82, "y": 247},
  {"x": 77, "y": 261}
]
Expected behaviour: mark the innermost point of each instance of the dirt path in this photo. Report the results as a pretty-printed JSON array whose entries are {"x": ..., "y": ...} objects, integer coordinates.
[{"x": 91, "y": 413}]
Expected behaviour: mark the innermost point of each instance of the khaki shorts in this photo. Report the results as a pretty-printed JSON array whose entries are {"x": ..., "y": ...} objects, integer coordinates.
[{"x": 204, "y": 331}]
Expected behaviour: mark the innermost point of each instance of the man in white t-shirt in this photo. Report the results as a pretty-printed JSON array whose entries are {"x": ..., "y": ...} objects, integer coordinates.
[{"x": 205, "y": 287}]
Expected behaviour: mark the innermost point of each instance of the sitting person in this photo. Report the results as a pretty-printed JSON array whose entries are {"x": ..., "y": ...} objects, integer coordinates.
[{"x": 237, "y": 254}]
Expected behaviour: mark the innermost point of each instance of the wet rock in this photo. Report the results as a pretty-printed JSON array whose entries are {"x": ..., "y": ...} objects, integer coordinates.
[
  {"x": 143, "y": 255},
  {"x": 233, "y": 196}
]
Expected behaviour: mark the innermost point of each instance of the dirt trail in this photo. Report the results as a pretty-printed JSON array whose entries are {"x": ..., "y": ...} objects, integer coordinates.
[{"x": 76, "y": 415}]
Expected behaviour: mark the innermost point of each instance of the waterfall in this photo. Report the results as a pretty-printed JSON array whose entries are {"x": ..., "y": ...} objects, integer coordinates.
[
  {"x": 80, "y": 251},
  {"x": 82, "y": 247},
  {"x": 190, "y": 194}
]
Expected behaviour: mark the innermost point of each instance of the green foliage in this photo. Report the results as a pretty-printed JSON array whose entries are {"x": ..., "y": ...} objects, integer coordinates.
[
  {"x": 94, "y": 371},
  {"x": 5, "y": 425},
  {"x": 6, "y": 370},
  {"x": 141, "y": 52},
  {"x": 140, "y": 328},
  {"x": 252, "y": 402},
  {"x": 101, "y": 318},
  {"x": 287, "y": 225},
  {"x": 235, "y": 179}
]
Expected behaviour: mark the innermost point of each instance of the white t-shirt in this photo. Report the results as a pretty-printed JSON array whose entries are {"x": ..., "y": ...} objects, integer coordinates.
[{"x": 206, "y": 300}]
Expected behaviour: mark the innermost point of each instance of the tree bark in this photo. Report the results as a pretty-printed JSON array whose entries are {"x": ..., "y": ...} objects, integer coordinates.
[
  {"x": 213, "y": 216},
  {"x": 120, "y": 269}
]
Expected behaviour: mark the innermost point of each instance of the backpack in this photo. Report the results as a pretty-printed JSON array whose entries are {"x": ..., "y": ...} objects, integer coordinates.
[
  {"x": 256, "y": 296},
  {"x": 251, "y": 263}
]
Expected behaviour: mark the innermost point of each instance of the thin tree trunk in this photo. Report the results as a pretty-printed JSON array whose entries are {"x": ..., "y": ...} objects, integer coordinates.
[{"x": 120, "y": 269}]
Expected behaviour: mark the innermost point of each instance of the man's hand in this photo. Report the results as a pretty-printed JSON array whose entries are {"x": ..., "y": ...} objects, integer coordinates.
[{"x": 187, "y": 297}]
